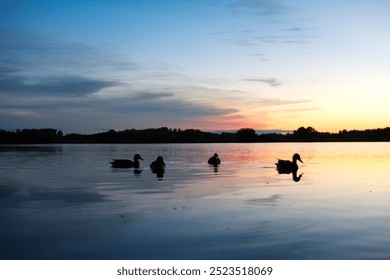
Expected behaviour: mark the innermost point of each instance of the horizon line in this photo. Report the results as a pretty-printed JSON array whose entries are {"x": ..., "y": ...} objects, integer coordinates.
[{"x": 216, "y": 131}]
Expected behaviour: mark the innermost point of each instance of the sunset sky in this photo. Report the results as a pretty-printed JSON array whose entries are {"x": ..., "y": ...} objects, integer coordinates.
[{"x": 91, "y": 65}]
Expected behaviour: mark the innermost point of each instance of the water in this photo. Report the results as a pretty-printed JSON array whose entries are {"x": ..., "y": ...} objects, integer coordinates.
[{"x": 66, "y": 202}]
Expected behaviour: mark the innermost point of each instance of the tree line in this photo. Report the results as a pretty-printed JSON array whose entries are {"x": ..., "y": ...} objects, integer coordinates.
[{"x": 169, "y": 135}]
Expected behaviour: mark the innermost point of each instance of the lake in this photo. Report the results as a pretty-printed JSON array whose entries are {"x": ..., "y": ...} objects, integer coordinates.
[{"x": 66, "y": 202}]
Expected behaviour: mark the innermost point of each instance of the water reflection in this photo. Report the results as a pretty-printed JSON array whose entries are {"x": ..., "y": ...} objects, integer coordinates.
[
  {"x": 295, "y": 177},
  {"x": 7, "y": 190},
  {"x": 68, "y": 202},
  {"x": 137, "y": 171},
  {"x": 159, "y": 173},
  {"x": 41, "y": 150}
]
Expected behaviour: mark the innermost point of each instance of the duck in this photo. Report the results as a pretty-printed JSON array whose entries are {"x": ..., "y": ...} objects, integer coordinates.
[
  {"x": 126, "y": 163},
  {"x": 214, "y": 160},
  {"x": 286, "y": 166},
  {"x": 158, "y": 164}
]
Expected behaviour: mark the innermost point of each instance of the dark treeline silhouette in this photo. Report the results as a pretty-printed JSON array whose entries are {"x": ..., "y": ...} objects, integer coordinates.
[
  {"x": 169, "y": 135},
  {"x": 33, "y": 136}
]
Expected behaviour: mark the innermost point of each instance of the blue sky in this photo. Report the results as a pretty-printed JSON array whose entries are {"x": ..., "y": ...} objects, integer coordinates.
[{"x": 88, "y": 66}]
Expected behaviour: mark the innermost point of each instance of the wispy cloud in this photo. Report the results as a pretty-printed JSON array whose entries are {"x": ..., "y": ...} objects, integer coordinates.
[
  {"x": 30, "y": 55},
  {"x": 19, "y": 113},
  {"x": 70, "y": 86},
  {"x": 268, "y": 102},
  {"x": 266, "y": 22},
  {"x": 259, "y": 7},
  {"x": 295, "y": 110},
  {"x": 157, "y": 104},
  {"x": 268, "y": 35},
  {"x": 269, "y": 81},
  {"x": 259, "y": 56}
]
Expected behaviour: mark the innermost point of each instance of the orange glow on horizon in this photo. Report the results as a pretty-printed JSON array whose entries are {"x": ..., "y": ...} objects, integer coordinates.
[{"x": 232, "y": 122}]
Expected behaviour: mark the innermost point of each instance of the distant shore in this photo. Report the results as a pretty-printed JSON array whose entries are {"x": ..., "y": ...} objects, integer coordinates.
[{"x": 169, "y": 135}]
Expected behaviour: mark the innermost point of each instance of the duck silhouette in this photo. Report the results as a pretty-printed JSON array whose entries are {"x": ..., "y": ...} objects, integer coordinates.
[
  {"x": 158, "y": 167},
  {"x": 287, "y": 166},
  {"x": 214, "y": 160},
  {"x": 158, "y": 163},
  {"x": 126, "y": 163}
]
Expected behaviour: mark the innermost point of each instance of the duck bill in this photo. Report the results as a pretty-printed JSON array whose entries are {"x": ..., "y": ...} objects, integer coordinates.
[
  {"x": 300, "y": 160},
  {"x": 141, "y": 158}
]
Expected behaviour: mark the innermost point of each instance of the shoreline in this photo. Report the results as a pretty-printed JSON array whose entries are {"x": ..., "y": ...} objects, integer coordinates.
[
  {"x": 193, "y": 142},
  {"x": 169, "y": 135}
]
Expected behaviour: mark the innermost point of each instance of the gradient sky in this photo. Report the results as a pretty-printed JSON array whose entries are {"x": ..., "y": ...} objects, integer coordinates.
[{"x": 87, "y": 66}]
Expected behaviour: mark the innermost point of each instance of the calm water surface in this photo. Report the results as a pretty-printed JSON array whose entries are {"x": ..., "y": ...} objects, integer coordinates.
[{"x": 66, "y": 202}]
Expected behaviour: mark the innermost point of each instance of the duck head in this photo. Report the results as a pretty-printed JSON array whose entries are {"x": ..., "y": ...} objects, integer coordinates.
[
  {"x": 160, "y": 159},
  {"x": 137, "y": 157},
  {"x": 297, "y": 157}
]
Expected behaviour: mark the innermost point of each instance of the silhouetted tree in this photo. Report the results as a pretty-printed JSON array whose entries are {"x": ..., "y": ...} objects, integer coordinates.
[
  {"x": 246, "y": 133},
  {"x": 302, "y": 133}
]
